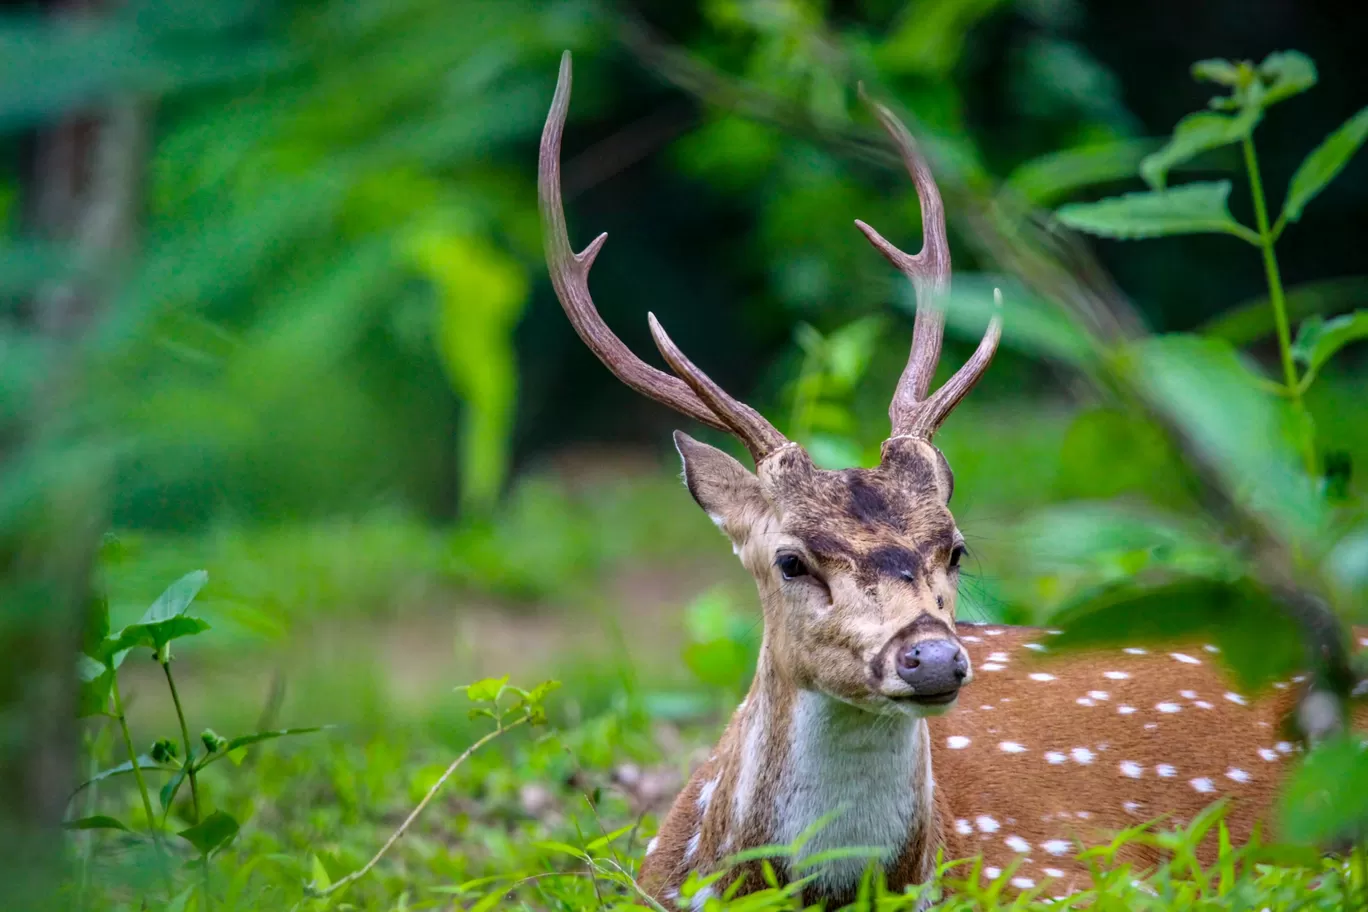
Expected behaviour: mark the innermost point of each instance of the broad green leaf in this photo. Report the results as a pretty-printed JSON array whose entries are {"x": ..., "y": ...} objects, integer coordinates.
[
  {"x": 1259, "y": 641},
  {"x": 486, "y": 690},
  {"x": 1217, "y": 70},
  {"x": 155, "y": 636},
  {"x": 144, "y": 762},
  {"x": 1249, "y": 439},
  {"x": 1286, "y": 73},
  {"x": 1324, "y": 162},
  {"x": 97, "y": 822},
  {"x": 96, "y": 678},
  {"x": 177, "y": 597},
  {"x": 212, "y": 833},
  {"x": 1327, "y": 797},
  {"x": 1047, "y": 179},
  {"x": 1318, "y": 339},
  {"x": 1252, "y": 320},
  {"x": 96, "y": 624},
  {"x": 321, "y": 880},
  {"x": 242, "y": 741},
  {"x": 1194, "y": 135},
  {"x": 1195, "y": 208}
]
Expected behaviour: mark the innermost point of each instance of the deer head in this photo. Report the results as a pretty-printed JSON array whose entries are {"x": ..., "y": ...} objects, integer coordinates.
[{"x": 857, "y": 569}]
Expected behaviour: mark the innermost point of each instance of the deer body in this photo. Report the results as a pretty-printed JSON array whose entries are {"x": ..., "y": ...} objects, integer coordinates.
[
  {"x": 1045, "y": 757},
  {"x": 862, "y": 660}
]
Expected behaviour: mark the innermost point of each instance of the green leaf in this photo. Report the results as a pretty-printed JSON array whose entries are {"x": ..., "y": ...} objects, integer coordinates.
[
  {"x": 1324, "y": 162},
  {"x": 1318, "y": 340},
  {"x": 1047, "y": 179},
  {"x": 1326, "y": 799},
  {"x": 96, "y": 623},
  {"x": 177, "y": 597},
  {"x": 1217, "y": 70},
  {"x": 1246, "y": 437},
  {"x": 212, "y": 833},
  {"x": 144, "y": 762},
  {"x": 1252, "y": 320},
  {"x": 1259, "y": 641},
  {"x": 1286, "y": 73},
  {"x": 486, "y": 690},
  {"x": 1195, "y": 208},
  {"x": 97, "y": 822},
  {"x": 96, "y": 680},
  {"x": 321, "y": 880},
  {"x": 154, "y": 636},
  {"x": 1194, "y": 135},
  {"x": 172, "y": 785}
]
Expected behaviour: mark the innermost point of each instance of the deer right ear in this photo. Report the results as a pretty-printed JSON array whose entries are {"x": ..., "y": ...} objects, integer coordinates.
[{"x": 726, "y": 490}]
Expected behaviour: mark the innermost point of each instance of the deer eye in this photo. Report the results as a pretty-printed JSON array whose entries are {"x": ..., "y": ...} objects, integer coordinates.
[
  {"x": 791, "y": 566},
  {"x": 957, "y": 554}
]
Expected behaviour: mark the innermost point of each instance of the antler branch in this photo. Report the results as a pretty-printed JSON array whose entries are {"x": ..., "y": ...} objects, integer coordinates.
[
  {"x": 911, "y": 412},
  {"x": 696, "y": 395}
]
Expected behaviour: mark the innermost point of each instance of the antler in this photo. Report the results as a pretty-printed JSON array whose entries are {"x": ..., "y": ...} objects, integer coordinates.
[
  {"x": 911, "y": 412},
  {"x": 695, "y": 395}
]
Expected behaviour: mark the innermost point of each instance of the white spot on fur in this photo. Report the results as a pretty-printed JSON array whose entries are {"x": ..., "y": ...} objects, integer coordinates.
[
  {"x": 1165, "y": 771},
  {"x": 1041, "y": 676},
  {"x": 986, "y": 824},
  {"x": 964, "y": 827},
  {"x": 1017, "y": 844},
  {"x": 1235, "y": 698},
  {"x": 1201, "y": 784},
  {"x": 1185, "y": 659},
  {"x": 1082, "y": 755},
  {"x": 1084, "y": 701},
  {"x": 702, "y": 896},
  {"x": 1125, "y": 710},
  {"x": 1053, "y": 632},
  {"x": 1284, "y": 747},
  {"x": 1055, "y": 758},
  {"x": 1203, "y": 704},
  {"x": 957, "y": 742},
  {"x": 1053, "y": 872},
  {"x": 651, "y": 846},
  {"x": 1116, "y": 675},
  {"x": 1011, "y": 747},
  {"x": 1037, "y": 647},
  {"x": 992, "y": 873},
  {"x": 1168, "y": 707},
  {"x": 1131, "y": 807},
  {"x": 998, "y": 657},
  {"x": 1023, "y": 883},
  {"x": 971, "y": 639},
  {"x": 994, "y": 632},
  {"x": 1099, "y": 695},
  {"x": 692, "y": 848},
  {"x": 1057, "y": 847},
  {"x": 1268, "y": 754},
  {"x": 1210, "y": 648},
  {"x": 1235, "y": 774},
  {"x": 1188, "y": 694},
  {"x": 990, "y": 666},
  {"x": 1132, "y": 769},
  {"x": 1135, "y": 651}
]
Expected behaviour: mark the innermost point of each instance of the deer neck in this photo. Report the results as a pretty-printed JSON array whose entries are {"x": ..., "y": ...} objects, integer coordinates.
[{"x": 802, "y": 758}]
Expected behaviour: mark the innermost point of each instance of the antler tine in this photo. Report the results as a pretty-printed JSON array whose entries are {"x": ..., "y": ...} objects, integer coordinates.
[
  {"x": 699, "y": 398},
  {"x": 910, "y": 412},
  {"x": 759, "y": 436}
]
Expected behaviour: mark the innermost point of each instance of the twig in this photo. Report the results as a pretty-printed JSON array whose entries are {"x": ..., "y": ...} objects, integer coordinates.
[{"x": 413, "y": 815}]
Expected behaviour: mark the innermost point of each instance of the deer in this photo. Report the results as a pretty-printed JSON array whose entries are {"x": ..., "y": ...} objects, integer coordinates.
[{"x": 873, "y": 710}]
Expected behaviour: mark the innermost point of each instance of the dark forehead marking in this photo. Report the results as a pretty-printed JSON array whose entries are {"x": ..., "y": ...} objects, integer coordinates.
[
  {"x": 891, "y": 560},
  {"x": 867, "y": 502},
  {"x": 939, "y": 538},
  {"x": 826, "y": 545}
]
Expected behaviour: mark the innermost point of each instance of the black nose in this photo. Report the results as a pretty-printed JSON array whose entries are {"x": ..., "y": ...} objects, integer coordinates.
[{"x": 933, "y": 666}]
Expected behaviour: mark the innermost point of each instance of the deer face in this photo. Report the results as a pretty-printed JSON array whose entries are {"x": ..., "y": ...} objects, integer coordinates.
[{"x": 857, "y": 570}]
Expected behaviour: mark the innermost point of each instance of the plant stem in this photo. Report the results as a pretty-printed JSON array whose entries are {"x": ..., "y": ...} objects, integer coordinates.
[
  {"x": 142, "y": 784},
  {"x": 413, "y": 815},
  {"x": 189, "y": 773},
  {"x": 1279, "y": 301}
]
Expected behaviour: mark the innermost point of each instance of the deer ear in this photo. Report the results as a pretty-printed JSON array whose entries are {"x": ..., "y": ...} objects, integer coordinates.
[{"x": 726, "y": 490}]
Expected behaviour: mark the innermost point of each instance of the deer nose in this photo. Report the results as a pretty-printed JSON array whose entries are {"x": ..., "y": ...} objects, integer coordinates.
[{"x": 933, "y": 667}]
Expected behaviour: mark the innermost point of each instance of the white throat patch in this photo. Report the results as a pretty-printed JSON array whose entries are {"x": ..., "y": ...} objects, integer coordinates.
[{"x": 873, "y": 771}]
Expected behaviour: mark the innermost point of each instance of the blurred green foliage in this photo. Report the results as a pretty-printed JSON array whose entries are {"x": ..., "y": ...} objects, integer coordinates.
[{"x": 328, "y": 368}]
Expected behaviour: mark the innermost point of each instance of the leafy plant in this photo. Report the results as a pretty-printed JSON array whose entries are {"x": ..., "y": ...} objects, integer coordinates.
[{"x": 1201, "y": 207}]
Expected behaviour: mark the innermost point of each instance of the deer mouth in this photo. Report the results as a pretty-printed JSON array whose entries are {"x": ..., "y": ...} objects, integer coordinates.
[{"x": 936, "y": 699}]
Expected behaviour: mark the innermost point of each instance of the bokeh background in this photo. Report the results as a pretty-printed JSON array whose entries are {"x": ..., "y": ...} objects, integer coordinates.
[{"x": 274, "y": 306}]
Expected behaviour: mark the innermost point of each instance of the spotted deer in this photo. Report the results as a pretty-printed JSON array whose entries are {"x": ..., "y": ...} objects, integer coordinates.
[{"x": 874, "y": 708}]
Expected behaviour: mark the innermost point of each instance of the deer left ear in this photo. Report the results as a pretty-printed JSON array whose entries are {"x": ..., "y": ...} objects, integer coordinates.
[{"x": 726, "y": 490}]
